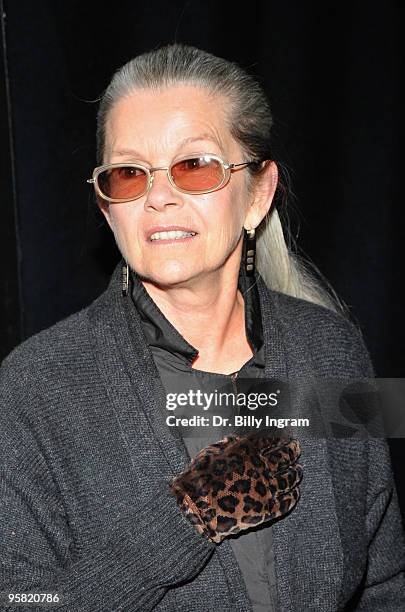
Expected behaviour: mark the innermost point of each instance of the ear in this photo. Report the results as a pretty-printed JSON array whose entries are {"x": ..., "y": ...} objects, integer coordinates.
[
  {"x": 263, "y": 195},
  {"x": 105, "y": 209}
]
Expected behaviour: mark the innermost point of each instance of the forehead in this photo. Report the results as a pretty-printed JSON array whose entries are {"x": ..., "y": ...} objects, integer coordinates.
[{"x": 160, "y": 122}]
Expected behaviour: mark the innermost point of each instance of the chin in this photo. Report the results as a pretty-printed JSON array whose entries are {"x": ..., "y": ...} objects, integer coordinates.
[{"x": 167, "y": 274}]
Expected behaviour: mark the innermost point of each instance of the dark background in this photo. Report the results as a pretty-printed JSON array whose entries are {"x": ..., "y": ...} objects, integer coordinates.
[{"x": 332, "y": 71}]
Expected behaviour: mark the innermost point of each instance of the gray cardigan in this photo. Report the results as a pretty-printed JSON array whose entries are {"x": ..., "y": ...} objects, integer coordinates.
[{"x": 86, "y": 455}]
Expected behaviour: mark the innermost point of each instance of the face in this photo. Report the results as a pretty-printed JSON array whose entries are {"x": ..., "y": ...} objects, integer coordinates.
[{"x": 153, "y": 128}]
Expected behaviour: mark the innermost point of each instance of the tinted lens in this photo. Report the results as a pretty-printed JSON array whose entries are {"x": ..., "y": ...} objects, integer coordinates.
[
  {"x": 197, "y": 173},
  {"x": 123, "y": 182}
]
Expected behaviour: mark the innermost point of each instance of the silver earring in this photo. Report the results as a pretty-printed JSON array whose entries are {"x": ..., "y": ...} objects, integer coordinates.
[
  {"x": 125, "y": 278},
  {"x": 250, "y": 252}
]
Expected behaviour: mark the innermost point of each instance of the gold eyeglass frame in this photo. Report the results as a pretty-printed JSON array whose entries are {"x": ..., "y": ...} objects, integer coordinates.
[{"x": 226, "y": 168}]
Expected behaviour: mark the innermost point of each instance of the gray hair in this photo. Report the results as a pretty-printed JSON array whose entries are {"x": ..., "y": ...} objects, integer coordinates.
[{"x": 250, "y": 121}]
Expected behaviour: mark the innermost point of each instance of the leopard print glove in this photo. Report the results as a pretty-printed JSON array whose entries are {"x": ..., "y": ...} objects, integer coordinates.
[{"x": 239, "y": 482}]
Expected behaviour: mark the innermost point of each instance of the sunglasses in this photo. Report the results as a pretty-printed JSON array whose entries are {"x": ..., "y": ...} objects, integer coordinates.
[{"x": 192, "y": 174}]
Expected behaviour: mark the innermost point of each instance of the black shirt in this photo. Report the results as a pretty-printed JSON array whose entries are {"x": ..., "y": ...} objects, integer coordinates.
[{"x": 174, "y": 358}]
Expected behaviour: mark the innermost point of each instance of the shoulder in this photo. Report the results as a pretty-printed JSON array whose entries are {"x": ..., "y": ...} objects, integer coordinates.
[
  {"x": 310, "y": 318},
  {"x": 63, "y": 358},
  {"x": 67, "y": 343},
  {"x": 324, "y": 335},
  {"x": 63, "y": 347},
  {"x": 56, "y": 373}
]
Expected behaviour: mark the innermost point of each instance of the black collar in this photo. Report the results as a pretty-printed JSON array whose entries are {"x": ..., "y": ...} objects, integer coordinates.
[{"x": 160, "y": 333}]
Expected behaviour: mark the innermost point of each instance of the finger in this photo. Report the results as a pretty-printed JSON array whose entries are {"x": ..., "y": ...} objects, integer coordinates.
[
  {"x": 277, "y": 459},
  {"x": 284, "y": 503},
  {"x": 286, "y": 480},
  {"x": 219, "y": 447},
  {"x": 282, "y": 443},
  {"x": 228, "y": 439},
  {"x": 265, "y": 442}
]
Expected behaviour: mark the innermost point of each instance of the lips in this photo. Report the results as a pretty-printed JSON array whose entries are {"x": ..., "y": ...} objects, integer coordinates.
[{"x": 170, "y": 233}]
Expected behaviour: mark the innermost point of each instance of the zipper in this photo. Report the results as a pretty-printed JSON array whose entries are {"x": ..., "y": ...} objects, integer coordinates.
[{"x": 235, "y": 387}]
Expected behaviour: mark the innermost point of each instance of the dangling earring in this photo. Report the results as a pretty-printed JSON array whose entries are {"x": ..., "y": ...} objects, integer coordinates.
[
  {"x": 125, "y": 278},
  {"x": 250, "y": 252}
]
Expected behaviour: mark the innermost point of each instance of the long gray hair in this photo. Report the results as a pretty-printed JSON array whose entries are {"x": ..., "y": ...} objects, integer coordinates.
[{"x": 249, "y": 121}]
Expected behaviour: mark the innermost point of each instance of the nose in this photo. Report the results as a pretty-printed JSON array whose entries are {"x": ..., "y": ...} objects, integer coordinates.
[{"x": 161, "y": 192}]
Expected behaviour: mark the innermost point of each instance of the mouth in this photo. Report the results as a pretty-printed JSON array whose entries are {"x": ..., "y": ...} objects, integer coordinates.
[{"x": 165, "y": 236}]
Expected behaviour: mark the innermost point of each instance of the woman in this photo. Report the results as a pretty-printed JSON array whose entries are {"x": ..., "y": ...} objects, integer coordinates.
[{"x": 104, "y": 503}]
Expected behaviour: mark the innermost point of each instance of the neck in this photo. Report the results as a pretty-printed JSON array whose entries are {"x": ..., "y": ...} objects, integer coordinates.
[{"x": 209, "y": 313}]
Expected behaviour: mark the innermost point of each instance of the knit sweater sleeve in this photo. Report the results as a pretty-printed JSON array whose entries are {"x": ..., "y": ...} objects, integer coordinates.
[
  {"x": 384, "y": 583},
  {"x": 384, "y": 588},
  {"x": 139, "y": 558}
]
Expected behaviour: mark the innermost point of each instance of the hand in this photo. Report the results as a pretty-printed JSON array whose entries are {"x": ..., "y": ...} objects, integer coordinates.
[{"x": 239, "y": 482}]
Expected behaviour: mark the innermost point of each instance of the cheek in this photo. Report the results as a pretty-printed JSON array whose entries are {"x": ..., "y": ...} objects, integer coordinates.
[
  {"x": 227, "y": 217},
  {"x": 125, "y": 225},
  {"x": 125, "y": 215}
]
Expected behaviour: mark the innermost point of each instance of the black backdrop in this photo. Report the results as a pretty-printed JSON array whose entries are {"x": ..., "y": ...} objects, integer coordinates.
[{"x": 332, "y": 72}]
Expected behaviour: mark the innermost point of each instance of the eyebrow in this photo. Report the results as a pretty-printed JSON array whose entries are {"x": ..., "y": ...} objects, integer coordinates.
[{"x": 185, "y": 141}]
